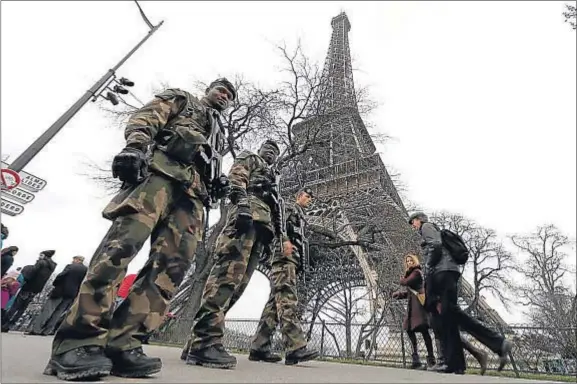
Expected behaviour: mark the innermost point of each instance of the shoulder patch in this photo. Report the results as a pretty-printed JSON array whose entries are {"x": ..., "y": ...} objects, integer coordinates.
[{"x": 172, "y": 93}]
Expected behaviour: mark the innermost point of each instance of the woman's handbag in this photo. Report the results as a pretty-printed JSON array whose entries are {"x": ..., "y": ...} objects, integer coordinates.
[{"x": 420, "y": 296}]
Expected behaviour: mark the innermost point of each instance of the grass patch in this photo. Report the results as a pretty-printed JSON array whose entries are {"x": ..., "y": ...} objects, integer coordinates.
[{"x": 470, "y": 371}]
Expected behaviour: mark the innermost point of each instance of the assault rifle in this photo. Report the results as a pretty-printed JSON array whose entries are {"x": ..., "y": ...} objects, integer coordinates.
[
  {"x": 278, "y": 207},
  {"x": 216, "y": 185}
]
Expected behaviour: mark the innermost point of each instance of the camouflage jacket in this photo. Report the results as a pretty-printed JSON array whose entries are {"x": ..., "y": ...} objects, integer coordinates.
[
  {"x": 249, "y": 169},
  {"x": 178, "y": 125},
  {"x": 295, "y": 229}
]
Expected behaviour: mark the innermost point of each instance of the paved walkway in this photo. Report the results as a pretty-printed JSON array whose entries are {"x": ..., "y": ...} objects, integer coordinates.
[{"x": 24, "y": 358}]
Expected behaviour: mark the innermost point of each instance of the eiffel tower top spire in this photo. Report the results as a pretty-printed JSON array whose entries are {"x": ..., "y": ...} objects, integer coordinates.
[{"x": 339, "y": 89}]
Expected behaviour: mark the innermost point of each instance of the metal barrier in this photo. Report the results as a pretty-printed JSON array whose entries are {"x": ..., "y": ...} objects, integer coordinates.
[{"x": 537, "y": 350}]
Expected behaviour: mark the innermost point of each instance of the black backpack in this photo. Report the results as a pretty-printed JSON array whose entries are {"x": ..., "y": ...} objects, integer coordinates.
[{"x": 455, "y": 245}]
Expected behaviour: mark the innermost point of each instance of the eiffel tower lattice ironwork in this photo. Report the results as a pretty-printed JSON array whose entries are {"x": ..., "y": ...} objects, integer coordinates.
[{"x": 355, "y": 198}]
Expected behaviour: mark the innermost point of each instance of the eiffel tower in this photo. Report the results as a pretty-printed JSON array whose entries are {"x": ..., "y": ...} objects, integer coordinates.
[{"x": 355, "y": 198}]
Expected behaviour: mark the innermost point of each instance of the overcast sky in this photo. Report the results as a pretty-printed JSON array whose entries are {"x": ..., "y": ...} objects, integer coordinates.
[{"x": 484, "y": 91}]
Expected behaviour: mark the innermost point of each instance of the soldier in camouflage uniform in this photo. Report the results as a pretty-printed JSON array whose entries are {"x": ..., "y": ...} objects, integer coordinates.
[
  {"x": 166, "y": 170},
  {"x": 250, "y": 268},
  {"x": 282, "y": 303},
  {"x": 251, "y": 222}
]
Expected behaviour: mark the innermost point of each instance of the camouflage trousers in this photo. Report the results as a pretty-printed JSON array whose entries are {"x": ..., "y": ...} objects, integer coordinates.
[
  {"x": 156, "y": 208},
  {"x": 250, "y": 268},
  {"x": 234, "y": 257},
  {"x": 281, "y": 307}
]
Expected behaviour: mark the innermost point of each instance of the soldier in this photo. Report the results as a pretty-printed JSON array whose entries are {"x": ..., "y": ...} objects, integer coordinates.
[
  {"x": 252, "y": 221},
  {"x": 282, "y": 303},
  {"x": 168, "y": 174}
]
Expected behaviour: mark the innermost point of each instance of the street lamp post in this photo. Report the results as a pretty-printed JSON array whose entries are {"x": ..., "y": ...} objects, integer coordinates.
[{"x": 30, "y": 152}]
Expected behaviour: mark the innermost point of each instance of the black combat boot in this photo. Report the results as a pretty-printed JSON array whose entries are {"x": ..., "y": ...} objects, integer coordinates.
[
  {"x": 133, "y": 363},
  {"x": 300, "y": 355},
  {"x": 416, "y": 364},
  {"x": 84, "y": 363},
  {"x": 214, "y": 356},
  {"x": 266, "y": 356}
]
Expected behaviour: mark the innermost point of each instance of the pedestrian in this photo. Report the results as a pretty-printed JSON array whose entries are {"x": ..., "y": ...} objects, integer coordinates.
[
  {"x": 65, "y": 288},
  {"x": 7, "y": 255},
  {"x": 10, "y": 287},
  {"x": 4, "y": 232},
  {"x": 250, "y": 225},
  {"x": 416, "y": 319},
  {"x": 281, "y": 306},
  {"x": 35, "y": 278},
  {"x": 168, "y": 172},
  {"x": 442, "y": 275},
  {"x": 20, "y": 280}
]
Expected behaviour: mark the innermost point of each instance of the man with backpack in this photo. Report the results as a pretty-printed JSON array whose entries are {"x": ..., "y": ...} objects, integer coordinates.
[{"x": 443, "y": 254}]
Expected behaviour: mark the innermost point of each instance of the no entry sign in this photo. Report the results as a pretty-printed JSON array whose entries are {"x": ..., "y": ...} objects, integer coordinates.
[{"x": 9, "y": 179}]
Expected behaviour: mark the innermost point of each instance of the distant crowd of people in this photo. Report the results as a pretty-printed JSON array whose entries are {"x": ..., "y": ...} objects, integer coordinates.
[{"x": 21, "y": 285}]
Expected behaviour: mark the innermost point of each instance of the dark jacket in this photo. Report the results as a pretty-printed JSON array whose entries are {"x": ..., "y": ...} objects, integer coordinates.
[
  {"x": 416, "y": 317},
  {"x": 67, "y": 283},
  {"x": 38, "y": 275},
  {"x": 8, "y": 258},
  {"x": 436, "y": 257}
]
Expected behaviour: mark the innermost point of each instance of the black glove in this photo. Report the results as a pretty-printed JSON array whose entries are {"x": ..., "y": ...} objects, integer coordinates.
[
  {"x": 220, "y": 187},
  {"x": 243, "y": 217},
  {"x": 130, "y": 165},
  {"x": 236, "y": 194}
]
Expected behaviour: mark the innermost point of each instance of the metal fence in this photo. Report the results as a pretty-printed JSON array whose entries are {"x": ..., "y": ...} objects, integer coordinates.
[{"x": 537, "y": 350}]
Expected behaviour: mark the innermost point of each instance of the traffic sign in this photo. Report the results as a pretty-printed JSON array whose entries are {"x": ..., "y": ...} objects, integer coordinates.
[
  {"x": 28, "y": 181},
  {"x": 20, "y": 195},
  {"x": 11, "y": 208},
  {"x": 9, "y": 179},
  {"x": 18, "y": 188}
]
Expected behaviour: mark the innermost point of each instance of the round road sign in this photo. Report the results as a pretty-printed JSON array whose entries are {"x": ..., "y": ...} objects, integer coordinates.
[{"x": 9, "y": 179}]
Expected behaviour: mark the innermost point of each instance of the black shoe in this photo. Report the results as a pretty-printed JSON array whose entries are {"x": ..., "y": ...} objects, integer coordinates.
[
  {"x": 214, "y": 356},
  {"x": 300, "y": 355},
  {"x": 266, "y": 356},
  {"x": 431, "y": 362},
  {"x": 133, "y": 363},
  {"x": 416, "y": 364},
  {"x": 504, "y": 355},
  {"x": 86, "y": 363},
  {"x": 457, "y": 371}
]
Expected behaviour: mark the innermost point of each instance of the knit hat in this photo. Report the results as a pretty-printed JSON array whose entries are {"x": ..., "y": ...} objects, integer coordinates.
[{"x": 49, "y": 253}]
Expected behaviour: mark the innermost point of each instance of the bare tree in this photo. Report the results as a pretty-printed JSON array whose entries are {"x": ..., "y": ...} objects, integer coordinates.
[
  {"x": 489, "y": 261},
  {"x": 570, "y": 14},
  {"x": 543, "y": 288},
  {"x": 544, "y": 269}
]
